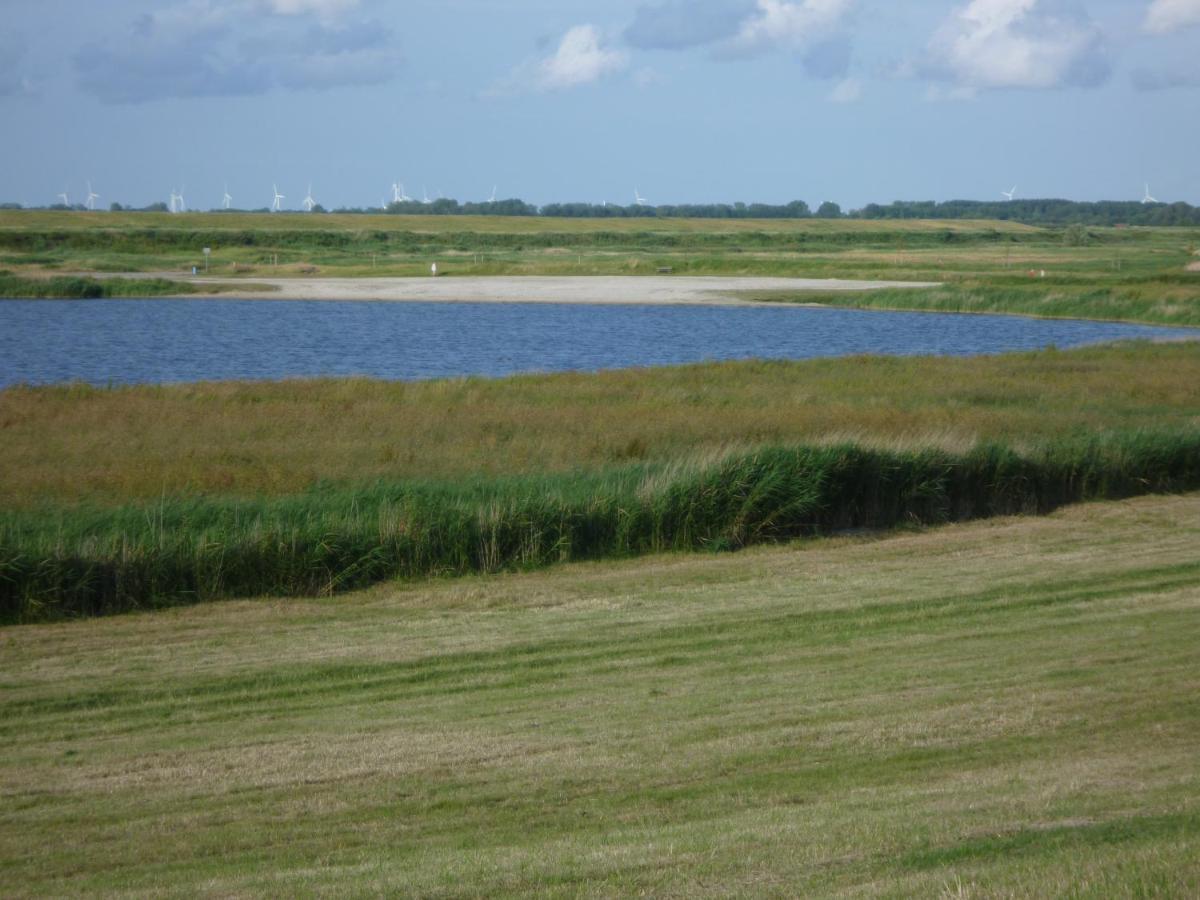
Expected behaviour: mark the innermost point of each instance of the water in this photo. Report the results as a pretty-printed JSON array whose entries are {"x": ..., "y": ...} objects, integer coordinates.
[{"x": 139, "y": 341}]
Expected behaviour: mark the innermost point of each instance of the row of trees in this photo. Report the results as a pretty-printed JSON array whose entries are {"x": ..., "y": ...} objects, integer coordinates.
[
  {"x": 1032, "y": 212},
  {"x": 1041, "y": 212}
]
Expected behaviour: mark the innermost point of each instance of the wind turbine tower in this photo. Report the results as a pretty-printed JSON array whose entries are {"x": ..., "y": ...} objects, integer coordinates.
[
  {"x": 309, "y": 202},
  {"x": 227, "y": 200},
  {"x": 1146, "y": 198},
  {"x": 277, "y": 202},
  {"x": 92, "y": 197}
]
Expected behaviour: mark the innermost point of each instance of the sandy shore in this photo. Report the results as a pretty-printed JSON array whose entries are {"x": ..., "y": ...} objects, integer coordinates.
[{"x": 645, "y": 289}]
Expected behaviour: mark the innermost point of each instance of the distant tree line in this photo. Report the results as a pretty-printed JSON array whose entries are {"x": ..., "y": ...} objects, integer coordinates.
[
  {"x": 1040, "y": 212},
  {"x": 1031, "y": 212}
]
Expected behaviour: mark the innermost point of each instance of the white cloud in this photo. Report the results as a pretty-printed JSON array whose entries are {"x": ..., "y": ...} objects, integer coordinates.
[
  {"x": 326, "y": 8},
  {"x": 1164, "y": 16},
  {"x": 581, "y": 58},
  {"x": 848, "y": 90},
  {"x": 1016, "y": 44},
  {"x": 776, "y": 23}
]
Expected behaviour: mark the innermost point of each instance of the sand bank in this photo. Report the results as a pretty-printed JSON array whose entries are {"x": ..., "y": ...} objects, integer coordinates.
[{"x": 644, "y": 289}]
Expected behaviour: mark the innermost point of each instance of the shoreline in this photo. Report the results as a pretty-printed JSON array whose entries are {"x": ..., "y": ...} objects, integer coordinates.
[{"x": 638, "y": 290}]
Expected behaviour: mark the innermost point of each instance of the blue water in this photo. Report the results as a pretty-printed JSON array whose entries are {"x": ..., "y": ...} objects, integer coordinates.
[{"x": 138, "y": 341}]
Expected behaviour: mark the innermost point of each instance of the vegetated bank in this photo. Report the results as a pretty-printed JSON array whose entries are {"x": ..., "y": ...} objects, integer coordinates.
[
  {"x": 1163, "y": 298},
  {"x": 82, "y": 287},
  {"x": 78, "y": 562}
]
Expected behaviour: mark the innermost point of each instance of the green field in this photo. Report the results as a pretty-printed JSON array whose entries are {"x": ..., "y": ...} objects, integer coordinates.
[
  {"x": 1002, "y": 709},
  {"x": 1134, "y": 274}
]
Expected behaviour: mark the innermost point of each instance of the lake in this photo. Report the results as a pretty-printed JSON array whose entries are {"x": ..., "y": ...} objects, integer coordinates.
[{"x": 140, "y": 341}]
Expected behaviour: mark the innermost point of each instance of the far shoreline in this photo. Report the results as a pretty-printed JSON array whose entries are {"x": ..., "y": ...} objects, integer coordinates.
[{"x": 636, "y": 290}]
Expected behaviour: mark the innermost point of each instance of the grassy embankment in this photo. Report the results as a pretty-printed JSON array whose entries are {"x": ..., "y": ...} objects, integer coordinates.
[
  {"x": 1128, "y": 274},
  {"x": 83, "y": 287},
  {"x": 114, "y": 503},
  {"x": 996, "y": 709}
]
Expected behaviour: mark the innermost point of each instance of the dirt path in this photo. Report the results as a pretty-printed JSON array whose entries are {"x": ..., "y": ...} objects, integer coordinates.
[{"x": 667, "y": 289}]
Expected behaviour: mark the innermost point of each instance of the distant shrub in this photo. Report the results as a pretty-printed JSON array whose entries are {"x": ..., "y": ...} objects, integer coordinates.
[{"x": 1076, "y": 236}]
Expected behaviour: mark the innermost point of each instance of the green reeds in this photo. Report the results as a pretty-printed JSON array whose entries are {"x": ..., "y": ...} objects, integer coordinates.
[{"x": 79, "y": 562}]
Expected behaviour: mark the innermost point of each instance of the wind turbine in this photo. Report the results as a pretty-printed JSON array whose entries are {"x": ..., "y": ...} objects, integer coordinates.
[
  {"x": 403, "y": 196},
  {"x": 638, "y": 199},
  {"x": 1146, "y": 198},
  {"x": 92, "y": 197},
  {"x": 65, "y": 200},
  {"x": 309, "y": 202},
  {"x": 425, "y": 196},
  {"x": 180, "y": 200},
  {"x": 176, "y": 202},
  {"x": 1008, "y": 195},
  {"x": 492, "y": 199},
  {"x": 227, "y": 201},
  {"x": 276, "y": 206}
]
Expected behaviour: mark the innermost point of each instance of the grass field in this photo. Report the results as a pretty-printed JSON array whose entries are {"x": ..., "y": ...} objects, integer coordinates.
[
  {"x": 1005, "y": 708},
  {"x": 1135, "y": 274}
]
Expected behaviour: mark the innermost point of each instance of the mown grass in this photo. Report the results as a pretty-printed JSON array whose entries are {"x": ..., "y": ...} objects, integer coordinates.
[{"x": 999, "y": 709}]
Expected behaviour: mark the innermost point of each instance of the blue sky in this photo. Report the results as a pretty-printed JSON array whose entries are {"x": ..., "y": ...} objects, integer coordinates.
[{"x": 552, "y": 100}]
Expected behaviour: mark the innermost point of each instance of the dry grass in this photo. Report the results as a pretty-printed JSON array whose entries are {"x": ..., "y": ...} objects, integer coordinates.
[
  {"x": 998, "y": 709},
  {"x": 76, "y": 443}
]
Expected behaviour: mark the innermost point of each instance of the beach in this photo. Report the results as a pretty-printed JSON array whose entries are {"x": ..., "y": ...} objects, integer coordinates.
[{"x": 643, "y": 289}]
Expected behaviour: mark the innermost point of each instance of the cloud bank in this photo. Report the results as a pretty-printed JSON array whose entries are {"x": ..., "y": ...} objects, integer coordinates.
[
  {"x": 736, "y": 29},
  {"x": 13, "y": 81},
  {"x": 211, "y": 48},
  {"x": 1165, "y": 16}
]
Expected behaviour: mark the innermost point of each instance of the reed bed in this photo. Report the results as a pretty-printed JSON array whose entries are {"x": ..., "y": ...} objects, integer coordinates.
[{"x": 82, "y": 562}]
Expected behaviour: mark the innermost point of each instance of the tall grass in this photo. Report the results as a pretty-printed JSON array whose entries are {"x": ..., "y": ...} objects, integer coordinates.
[
  {"x": 81, "y": 562},
  {"x": 1163, "y": 298},
  {"x": 76, "y": 287}
]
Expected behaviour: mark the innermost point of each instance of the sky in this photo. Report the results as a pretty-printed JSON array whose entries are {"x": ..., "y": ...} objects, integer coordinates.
[{"x": 686, "y": 101}]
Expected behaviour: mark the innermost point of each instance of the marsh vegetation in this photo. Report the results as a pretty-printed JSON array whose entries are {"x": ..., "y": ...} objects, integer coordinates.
[{"x": 161, "y": 495}]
